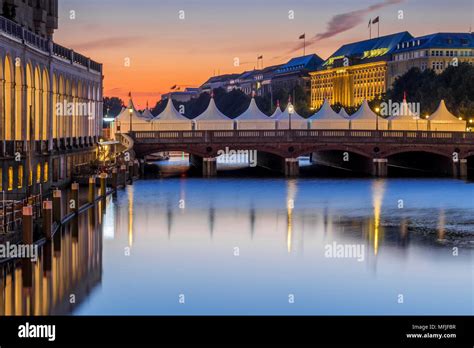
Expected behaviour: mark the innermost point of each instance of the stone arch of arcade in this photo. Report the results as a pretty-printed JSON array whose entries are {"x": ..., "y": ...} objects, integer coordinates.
[{"x": 30, "y": 92}]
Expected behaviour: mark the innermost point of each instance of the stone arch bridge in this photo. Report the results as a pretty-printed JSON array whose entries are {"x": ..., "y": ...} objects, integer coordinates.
[{"x": 368, "y": 151}]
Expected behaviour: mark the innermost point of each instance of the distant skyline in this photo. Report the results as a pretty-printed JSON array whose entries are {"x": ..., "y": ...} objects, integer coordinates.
[{"x": 165, "y": 50}]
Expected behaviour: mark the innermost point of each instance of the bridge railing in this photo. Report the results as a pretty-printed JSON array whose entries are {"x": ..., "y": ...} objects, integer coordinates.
[{"x": 310, "y": 135}]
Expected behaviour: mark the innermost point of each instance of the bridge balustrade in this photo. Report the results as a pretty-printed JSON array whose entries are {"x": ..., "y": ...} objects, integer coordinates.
[{"x": 364, "y": 136}]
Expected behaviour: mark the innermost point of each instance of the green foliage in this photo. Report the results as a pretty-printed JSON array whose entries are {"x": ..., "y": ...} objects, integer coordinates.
[
  {"x": 112, "y": 106},
  {"x": 455, "y": 85}
]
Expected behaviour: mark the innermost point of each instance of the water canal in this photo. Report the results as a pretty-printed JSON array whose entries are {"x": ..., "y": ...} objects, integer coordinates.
[{"x": 242, "y": 245}]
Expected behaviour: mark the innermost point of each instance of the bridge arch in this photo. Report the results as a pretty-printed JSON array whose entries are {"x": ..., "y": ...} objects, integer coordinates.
[
  {"x": 420, "y": 161},
  {"x": 428, "y": 150},
  {"x": 335, "y": 147}
]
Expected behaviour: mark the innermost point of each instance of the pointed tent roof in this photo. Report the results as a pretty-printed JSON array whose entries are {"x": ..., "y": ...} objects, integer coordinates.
[
  {"x": 253, "y": 113},
  {"x": 326, "y": 113},
  {"x": 124, "y": 115},
  {"x": 364, "y": 113},
  {"x": 170, "y": 114},
  {"x": 147, "y": 114},
  {"x": 404, "y": 113},
  {"x": 285, "y": 115},
  {"x": 343, "y": 113},
  {"x": 442, "y": 114},
  {"x": 277, "y": 111},
  {"x": 212, "y": 113}
]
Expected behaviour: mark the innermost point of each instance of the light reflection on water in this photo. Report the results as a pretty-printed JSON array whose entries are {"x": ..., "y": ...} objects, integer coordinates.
[{"x": 162, "y": 238}]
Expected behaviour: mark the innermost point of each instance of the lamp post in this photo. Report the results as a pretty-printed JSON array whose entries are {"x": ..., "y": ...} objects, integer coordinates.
[
  {"x": 130, "y": 110},
  {"x": 377, "y": 118},
  {"x": 291, "y": 110}
]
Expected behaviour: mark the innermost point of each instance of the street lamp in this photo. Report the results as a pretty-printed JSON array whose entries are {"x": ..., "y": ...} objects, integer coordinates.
[
  {"x": 130, "y": 110},
  {"x": 377, "y": 118},
  {"x": 291, "y": 110}
]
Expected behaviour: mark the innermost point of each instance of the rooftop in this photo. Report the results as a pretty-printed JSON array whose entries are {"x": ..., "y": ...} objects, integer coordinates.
[
  {"x": 18, "y": 33},
  {"x": 371, "y": 48},
  {"x": 437, "y": 40},
  {"x": 309, "y": 62}
]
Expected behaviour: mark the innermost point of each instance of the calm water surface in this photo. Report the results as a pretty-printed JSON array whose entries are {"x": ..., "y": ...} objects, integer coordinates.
[{"x": 251, "y": 246}]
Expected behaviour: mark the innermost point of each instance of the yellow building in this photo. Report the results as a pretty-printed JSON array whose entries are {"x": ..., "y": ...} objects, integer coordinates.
[
  {"x": 349, "y": 85},
  {"x": 366, "y": 69},
  {"x": 355, "y": 72}
]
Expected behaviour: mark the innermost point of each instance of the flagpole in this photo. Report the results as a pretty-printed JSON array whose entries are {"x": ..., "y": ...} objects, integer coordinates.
[
  {"x": 370, "y": 30},
  {"x": 378, "y": 27},
  {"x": 304, "y": 45}
]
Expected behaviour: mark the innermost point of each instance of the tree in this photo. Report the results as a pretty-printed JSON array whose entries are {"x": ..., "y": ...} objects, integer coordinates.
[
  {"x": 112, "y": 106},
  {"x": 455, "y": 85}
]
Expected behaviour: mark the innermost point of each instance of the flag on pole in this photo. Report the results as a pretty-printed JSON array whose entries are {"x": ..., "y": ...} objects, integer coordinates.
[
  {"x": 376, "y": 20},
  {"x": 370, "y": 22},
  {"x": 173, "y": 87},
  {"x": 303, "y": 37},
  {"x": 260, "y": 57}
]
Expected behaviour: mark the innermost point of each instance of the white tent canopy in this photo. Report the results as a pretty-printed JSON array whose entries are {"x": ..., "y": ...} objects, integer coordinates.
[
  {"x": 365, "y": 118},
  {"x": 277, "y": 111},
  {"x": 297, "y": 121},
  {"x": 405, "y": 119},
  {"x": 146, "y": 114},
  {"x": 327, "y": 118},
  {"x": 213, "y": 119},
  {"x": 343, "y": 113},
  {"x": 122, "y": 122},
  {"x": 443, "y": 120},
  {"x": 171, "y": 119},
  {"x": 253, "y": 118}
]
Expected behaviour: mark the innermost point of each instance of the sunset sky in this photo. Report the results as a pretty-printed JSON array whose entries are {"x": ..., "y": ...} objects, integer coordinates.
[{"x": 165, "y": 50}]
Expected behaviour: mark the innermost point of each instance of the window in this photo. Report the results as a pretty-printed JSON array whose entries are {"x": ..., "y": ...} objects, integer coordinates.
[
  {"x": 38, "y": 173},
  {"x": 46, "y": 172},
  {"x": 30, "y": 178},
  {"x": 10, "y": 178},
  {"x": 20, "y": 176}
]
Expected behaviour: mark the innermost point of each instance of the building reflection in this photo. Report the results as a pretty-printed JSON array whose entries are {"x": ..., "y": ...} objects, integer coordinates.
[
  {"x": 376, "y": 231},
  {"x": 130, "y": 193},
  {"x": 67, "y": 269},
  {"x": 292, "y": 189},
  {"x": 441, "y": 227}
]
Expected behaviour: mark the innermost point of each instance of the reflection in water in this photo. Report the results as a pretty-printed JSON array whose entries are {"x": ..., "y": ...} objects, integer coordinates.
[
  {"x": 67, "y": 269},
  {"x": 292, "y": 189},
  {"x": 252, "y": 220},
  {"x": 378, "y": 190},
  {"x": 250, "y": 213},
  {"x": 441, "y": 225},
  {"x": 130, "y": 214}
]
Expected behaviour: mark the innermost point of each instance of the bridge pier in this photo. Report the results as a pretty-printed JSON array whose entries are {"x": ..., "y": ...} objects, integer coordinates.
[
  {"x": 209, "y": 167},
  {"x": 292, "y": 167},
  {"x": 460, "y": 170},
  {"x": 380, "y": 168},
  {"x": 463, "y": 171}
]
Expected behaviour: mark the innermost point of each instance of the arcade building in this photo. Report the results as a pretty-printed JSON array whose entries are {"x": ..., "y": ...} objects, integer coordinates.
[{"x": 50, "y": 101}]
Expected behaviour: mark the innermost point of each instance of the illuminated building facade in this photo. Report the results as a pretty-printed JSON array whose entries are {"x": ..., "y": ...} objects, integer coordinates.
[
  {"x": 435, "y": 51},
  {"x": 366, "y": 69},
  {"x": 50, "y": 103},
  {"x": 355, "y": 72}
]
